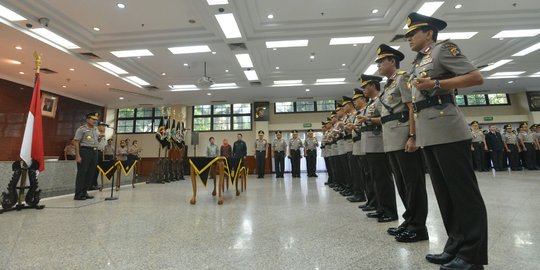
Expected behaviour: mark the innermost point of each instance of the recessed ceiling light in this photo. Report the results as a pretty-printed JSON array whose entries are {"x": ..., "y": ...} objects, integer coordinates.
[
  {"x": 63, "y": 86},
  {"x": 251, "y": 75},
  {"x": 163, "y": 73},
  {"x": 528, "y": 50},
  {"x": 97, "y": 29},
  {"x": 275, "y": 49},
  {"x": 227, "y": 71},
  {"x": 496, "y": 64},
  {"x": 343, "y": 65},
  {"x": 244, "y": 60},
  {"x": 228, "y": 25},
  {"x": 121, "y": 98},
  {"x": 287, "y": 43},
  {"x": 137, "y": 80},
  {"x": 456, "y": 35},
  {"x": 56, "y": 39},
  {"x": 501, "y": 38},
  {"x": 138, "y": 57},
  {"x": 270, "y": 16},
  {"x": 120, "y": 5},
  {"x": 351, "y": 40},
  {"x": 329, "y": 80},
  {"x": 208, "y": 94},
  {"x": 428, "y": 9},
  {"x": 355, "y": 45},
  {"x": 217, "y": 2},
  {"x": 371, "y": 69},
  {"x": 517, "y": 33},
  {"x": 10, "y": 15},
  {"x": 71, "y": 69},
  {"x": 14, "y": 62},
  {"x": 213, "y": 52},
  {"x": 374, "y": 11},
  {"x": 277, "y": 68},
  {"x": 190, "y": 49},
  {"x": 20, "y": 72},
  {"x": 307, "y": 90},
  {"x": 112, "y": 68},
  {"x": 312, "y": 57},
  {"x": 132, "y": 53},
  {"x": 18, "y": 48},
  {"x": 510, "y": 82},
  {"x": 186, "y": 64},
  {"x": 107, "y": 84},
  {"x": 458, "y": 6}
]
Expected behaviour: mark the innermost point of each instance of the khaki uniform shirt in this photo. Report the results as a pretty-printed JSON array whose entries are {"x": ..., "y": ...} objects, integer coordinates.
[
  {"x": 279, "y": 145},
  {"x": 509, "y": 138},
  {"x": 295, "y": 144},
  {"x": 311, "y": 143},
  {"x": 395, "y": 95},
  {"x": 442, "y": 123},
  {"x": 526, "y": 137},
  {"x": 372, "y": 141},
  {"x": 108, "y": 150},
  {"x": 260, "y": 145},
  {"x": 357, "y": 146},
  {"x": 86, "y": 136},
  {"x": 478, "y": 136}
]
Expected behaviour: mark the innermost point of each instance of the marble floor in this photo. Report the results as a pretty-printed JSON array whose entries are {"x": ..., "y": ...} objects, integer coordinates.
[{"x": 277, "y": 224}]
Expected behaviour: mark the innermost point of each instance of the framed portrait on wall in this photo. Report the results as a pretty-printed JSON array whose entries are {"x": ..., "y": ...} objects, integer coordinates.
[
  {"x": 262, "y": 111},
  {"x": 49, "y": 103},
  {"x": 534, "y": 101}
]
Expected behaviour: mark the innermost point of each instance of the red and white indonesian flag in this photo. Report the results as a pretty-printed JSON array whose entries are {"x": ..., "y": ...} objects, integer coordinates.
[{"x": 32, "y": 143}]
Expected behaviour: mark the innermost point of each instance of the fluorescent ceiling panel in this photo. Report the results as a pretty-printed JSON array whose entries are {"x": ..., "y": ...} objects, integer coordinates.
[
  {"x": 287, "y": 82},
  {"x": 517, "y": 33},
  {"x": 351, "y": 40},
  {"x": 251, "y": 75},
  {"x": 113, "y": 68},
  {"x": 371, "y": 69},
  {"x": 190, "y": 49},
  {"x": 183, "y": 87},
  {"x": 244, "y": 60},
  {"x": 428, "y": 9},
  {"x": 47, "y": 34},
  {"x": 507, "y": 73},
  {"x": 228, "y": 25},
  {"x": 132, "y": 53},
  {"x": 330, "y": 80},
  {"x": 218, "y": 86},
  {"x": 137, "y": 80},
  {"x": 217, "y": 2},
  {"x": 456, "y": 35},
  {"x": 536, "y": 75},
  {"x": 287, "y": 43},
  {"x": 8, "y": 14},
  {"x": 528, "y": 50},
  {"x": 496, "y": 64}
]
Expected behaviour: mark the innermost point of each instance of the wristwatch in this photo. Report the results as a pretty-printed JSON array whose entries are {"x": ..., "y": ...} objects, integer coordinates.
[
  {"x": 437, "y": 84},
  {"x": 411, "y": 135}
]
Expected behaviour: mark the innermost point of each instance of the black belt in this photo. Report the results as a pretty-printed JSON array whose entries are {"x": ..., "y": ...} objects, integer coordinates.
[
  {"x": 368, "y": 128},
  {"x": 401, "y": 116},
  {"x": 433, "y": 101},
  {"x": 311, "y": 150},
  {"x": 347, "y": 137},
  {"x": 261, "y": 151},
  {"x": 89, "y": 147},
  {"x": 278, "y": 151},
  {"x": 357, "y": 138}
]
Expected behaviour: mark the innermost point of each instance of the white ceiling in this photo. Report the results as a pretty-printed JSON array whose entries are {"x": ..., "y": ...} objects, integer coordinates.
[{"x": 158, "y": 25}]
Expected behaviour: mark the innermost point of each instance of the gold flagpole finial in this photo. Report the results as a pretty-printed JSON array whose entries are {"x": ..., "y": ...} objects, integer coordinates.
[{"x": 37, "y": 61}]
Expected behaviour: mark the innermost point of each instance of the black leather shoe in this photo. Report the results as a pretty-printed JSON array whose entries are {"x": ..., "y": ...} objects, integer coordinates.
[
  {"x": 440, "y": 258},
  {"x": 395, "y": 230},
  {"x": 356, "y": 198},
  {"x": 374, "y": 215},
  {"x": 363, "y": 206},
  {"x": 346, "y": 193},
  {"x": 314, "y": 175},
  {"x": 79, "y": 198},
  {"x": 88, "y": 196},
  {"x": 411, "y": 237},
  {"x": 383, "y": 219},
  {"x": 369, "y": 208},
  {"x": 458, "y": 263}
]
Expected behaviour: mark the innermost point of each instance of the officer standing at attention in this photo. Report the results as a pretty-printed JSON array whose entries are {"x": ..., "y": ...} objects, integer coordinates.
[
  {"x": 260, "y": 153},
  {"x": 310, "y": 152},
  {"x": 511, "y": 146},
  {"x": 526, "y": 139},
  {"x": 279, "y": 146},
  {"x": 329, "y": 154},
  {"x": 86, "y": 143},
  {"x": 397, "y": 121},
  {"x": 372, "y": 144},
  {"x": 479, "y": 147},
  {"x": 443, "y": 134},
  {"x": 294, "y": 153},
  {"x": 359, "y": 102},
  {"x": 102, "y": 142}
]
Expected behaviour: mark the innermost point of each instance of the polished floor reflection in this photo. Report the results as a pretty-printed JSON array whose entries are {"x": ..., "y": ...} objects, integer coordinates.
[{"x": 277, "y": 224}]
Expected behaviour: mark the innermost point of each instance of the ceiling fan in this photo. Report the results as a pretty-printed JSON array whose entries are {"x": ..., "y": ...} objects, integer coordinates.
[{"x": 205, "y": 81}]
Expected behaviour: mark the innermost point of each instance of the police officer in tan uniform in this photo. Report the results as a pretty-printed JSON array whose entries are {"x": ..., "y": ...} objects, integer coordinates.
[
  {"x": 86, "y": 152},
  {"x": 510, "y": 141},
  {"x": 260, "y": 153},
  {"x": 527, "y": 142},
  {"x": 399, "y": 145},
  {"x": 372, "y": 144},
  {"x": 310, "y": 152},
  {"x": 360, "y": 175},
  {"x": 279, "y": 146},
  {"x": 479, "y": 147},
  {"x": 443, "y": 134},
  {"x": 294, "y": 155}
]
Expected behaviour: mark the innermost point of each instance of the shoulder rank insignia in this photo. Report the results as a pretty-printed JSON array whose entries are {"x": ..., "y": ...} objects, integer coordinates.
[{"x": 452, "y": 48}]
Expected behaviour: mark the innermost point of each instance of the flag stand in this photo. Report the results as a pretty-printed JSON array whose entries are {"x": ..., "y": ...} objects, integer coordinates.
[
  {"x": 13, "y": 200},
  {"x": 112, "y": 190}
]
